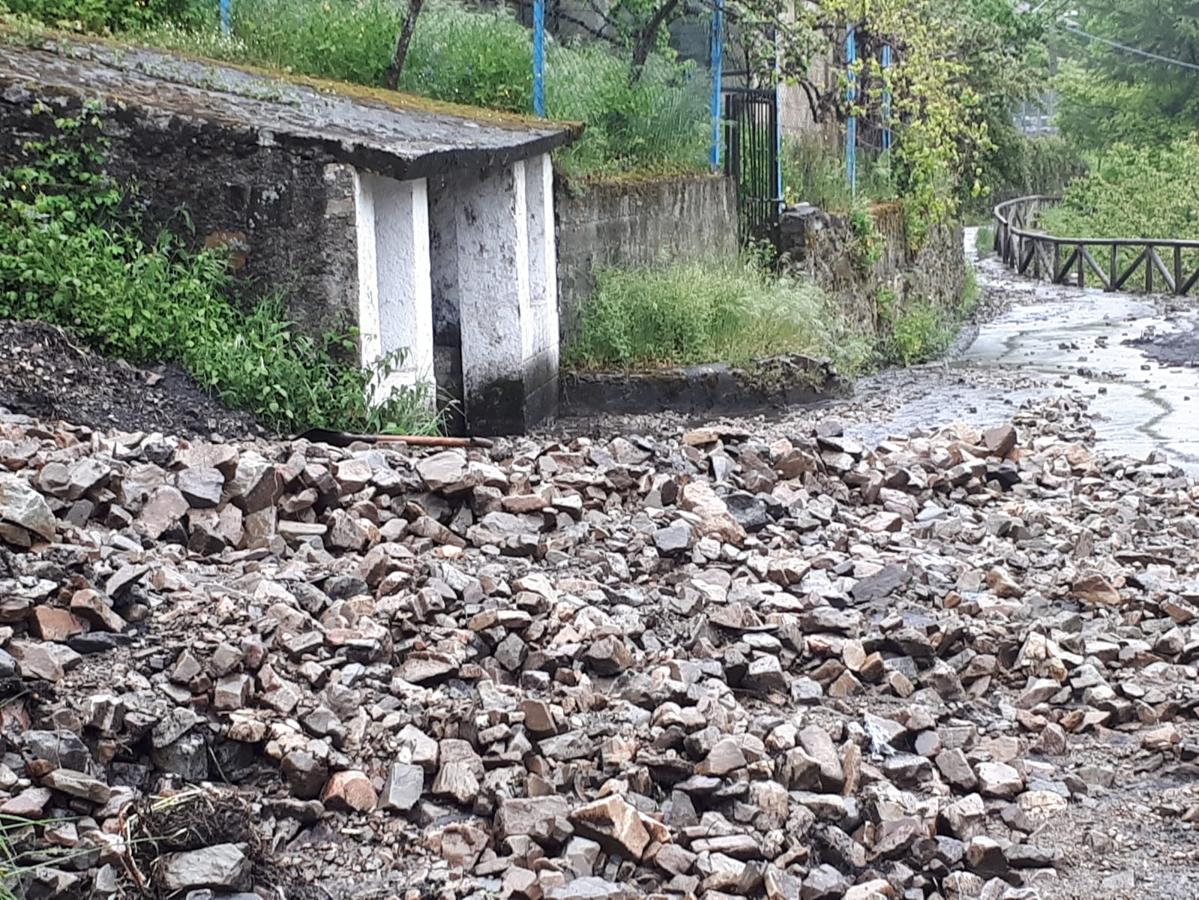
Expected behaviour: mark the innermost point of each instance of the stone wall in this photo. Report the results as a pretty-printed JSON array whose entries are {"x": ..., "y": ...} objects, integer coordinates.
[
  {"x": 825, "y": 248},
  {"x": 287, "y": 216},
  {"x": 643, "y": 223}
]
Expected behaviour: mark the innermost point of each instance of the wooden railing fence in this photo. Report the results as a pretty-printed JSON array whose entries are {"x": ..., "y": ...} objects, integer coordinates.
[{"x": 1167, "y": 266}]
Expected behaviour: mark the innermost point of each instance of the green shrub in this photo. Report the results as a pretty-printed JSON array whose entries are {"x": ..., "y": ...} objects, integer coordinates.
[
  {"x": 697, "y": 313},
  {"x": 72, "y": 254},
  {"x": 1019, "y": 165},
  {"x": 350, "y": 42},
  {"x": 102, "y": 15},
  {"x": 868, "y": 242},
  {"x": 1134, "y": 192},
  {"x": 984, "y": 241},
  {"x": 919, "y": 333}
]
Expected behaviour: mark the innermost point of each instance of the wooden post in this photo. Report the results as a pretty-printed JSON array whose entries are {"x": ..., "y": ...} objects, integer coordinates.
[
  {"x": 1178, "y": 285},
  {"x": 1115, "y": 270},
  {"x": 1148, "y": 269}
]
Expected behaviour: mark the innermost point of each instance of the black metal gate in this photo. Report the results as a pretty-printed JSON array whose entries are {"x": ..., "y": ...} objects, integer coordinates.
[{"x": 751, "y": 156}]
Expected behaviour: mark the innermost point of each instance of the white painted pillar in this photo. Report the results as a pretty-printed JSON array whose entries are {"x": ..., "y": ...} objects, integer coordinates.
[
  {"x": 492, "y": 231},
  {"x": 396, "y": 304},
  {"x": 542, "y": 338},
  {"x": 369, "y": 339}
]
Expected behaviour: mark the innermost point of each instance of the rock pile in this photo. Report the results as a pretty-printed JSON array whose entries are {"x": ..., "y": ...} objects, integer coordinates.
[{"x": 719, "y": 664}]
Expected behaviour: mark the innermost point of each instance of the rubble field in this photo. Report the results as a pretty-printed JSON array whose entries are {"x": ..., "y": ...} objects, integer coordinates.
[{"x": 767, "y": 662}]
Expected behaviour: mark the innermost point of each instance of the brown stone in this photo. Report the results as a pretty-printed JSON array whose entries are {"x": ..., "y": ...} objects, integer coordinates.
[
  {"x": 53, "y": 624},
  {"x": 350, "y": 791},
  {"x": 92, "y": 608}
]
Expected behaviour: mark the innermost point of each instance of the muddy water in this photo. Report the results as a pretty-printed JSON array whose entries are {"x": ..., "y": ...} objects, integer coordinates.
[{"x": 1056, "y": 339}]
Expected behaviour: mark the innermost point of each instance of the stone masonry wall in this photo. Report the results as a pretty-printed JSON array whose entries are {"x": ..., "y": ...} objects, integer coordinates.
[
  {"x": 286, "y": 214},
  {"x": 935, "y": 273},
  {"x": 638, "y": 224}
]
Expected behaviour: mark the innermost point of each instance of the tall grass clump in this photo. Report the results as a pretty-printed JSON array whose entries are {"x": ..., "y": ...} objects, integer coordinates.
[
  {"x": 984, "y": 240},
  {"x": 706, "y": 312},
  {"x": 73, "y": 254},
  {"x": 814, "y": 172}
]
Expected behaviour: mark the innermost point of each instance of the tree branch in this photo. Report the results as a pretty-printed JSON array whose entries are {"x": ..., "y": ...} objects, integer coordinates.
[{"x": 402, "y": 42}]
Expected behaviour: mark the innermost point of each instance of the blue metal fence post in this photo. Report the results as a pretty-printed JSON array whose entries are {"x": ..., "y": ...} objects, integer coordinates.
[
  {"x": 851, "y": 130},
  {"x": 886, "y": 101},
  {"x": 717, "y": 67},
  {"x": 778, "y": 123},
  {"x": 226, "y": 17},
  {"x": 539, "y": 57}
]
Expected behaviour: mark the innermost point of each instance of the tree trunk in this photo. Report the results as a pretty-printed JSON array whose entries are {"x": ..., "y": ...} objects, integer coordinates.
[
  {"x": 648, "y": 36},
  {"x": 402, "y": 42}
]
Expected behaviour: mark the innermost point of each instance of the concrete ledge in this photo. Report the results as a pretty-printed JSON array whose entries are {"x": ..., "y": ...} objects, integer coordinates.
[{"x": 716, "y": 388}]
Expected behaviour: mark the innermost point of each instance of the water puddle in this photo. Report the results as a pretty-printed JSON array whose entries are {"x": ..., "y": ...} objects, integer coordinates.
[{"x": 1077, "y": 340}]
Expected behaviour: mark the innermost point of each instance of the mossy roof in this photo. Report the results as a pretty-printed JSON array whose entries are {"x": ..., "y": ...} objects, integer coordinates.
[{"x": 388, "y": 132}]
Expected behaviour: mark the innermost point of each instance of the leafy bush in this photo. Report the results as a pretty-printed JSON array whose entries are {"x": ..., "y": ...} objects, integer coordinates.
[
  {"x": 481, "y": 58},
  {"x": 1023, "y": 165},
  {"x": 352, "y": 43},
  {"x": 102, "y": 15},
  {"x": 1133, "y": 191},
  {"x": 984, "y": 241},
  {"x": 696, "y": 313},
  {"x": 72, "y": 254},
  {"x": 920, "y": 333}
]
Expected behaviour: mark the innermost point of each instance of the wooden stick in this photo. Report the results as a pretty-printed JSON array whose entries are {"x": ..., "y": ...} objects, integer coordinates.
[
  {"x": 344, "y": 439},
  {"x": 432, "y": 440}
]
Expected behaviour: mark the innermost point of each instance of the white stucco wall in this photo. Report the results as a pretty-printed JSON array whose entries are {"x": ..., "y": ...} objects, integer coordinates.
[{"x": 465, "y": 267}]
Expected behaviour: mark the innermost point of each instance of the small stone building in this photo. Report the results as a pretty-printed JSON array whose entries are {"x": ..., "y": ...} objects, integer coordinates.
[{"x": 430, "y": 227}]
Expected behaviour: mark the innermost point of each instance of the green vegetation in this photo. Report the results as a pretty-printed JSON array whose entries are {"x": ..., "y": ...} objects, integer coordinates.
[
  {"x": 1024, "y": 165},
  {"x": 984, "y": 242},
  {"x": 1110, "y": 96},
  {"x": 102, "y": 15},
  {"x": 697, "y": 313},
  {"x": 1133, "y": 191},
  {"x": 814, "y": 172},
  {"x": 921, "y": 331},
  {"x": 655, "y": 124},
  {"x": 72, "y": 253},
  {"x": 1134, "y": 119}
]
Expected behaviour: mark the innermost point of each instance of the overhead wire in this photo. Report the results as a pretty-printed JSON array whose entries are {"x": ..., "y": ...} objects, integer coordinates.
[{"x": 1072, "y": 29}]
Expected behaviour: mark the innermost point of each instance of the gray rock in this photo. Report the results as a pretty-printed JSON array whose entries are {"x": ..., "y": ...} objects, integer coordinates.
[
  {"x": 219, "y": 866},
  {"x": 402, "y": 789},
  {"x": 21, "y": 505},
  {"x": 201, "y": 487}
]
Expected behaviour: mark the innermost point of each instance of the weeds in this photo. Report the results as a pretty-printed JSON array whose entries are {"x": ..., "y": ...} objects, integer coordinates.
[
  {"x": 918, "y": 334},
  {"x": 72, "y": 254},
  {"x": 984, "y": 240},
  {"x": 814, "y": 172},
  {"x": 699, "y": 313}
]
